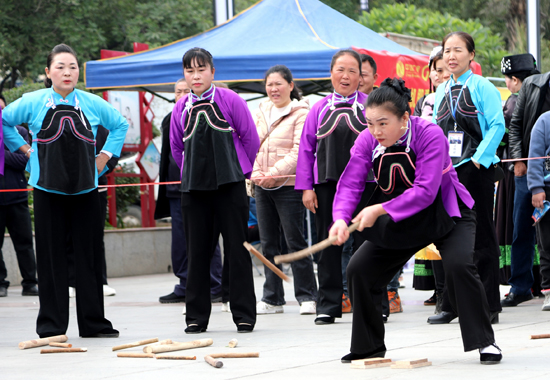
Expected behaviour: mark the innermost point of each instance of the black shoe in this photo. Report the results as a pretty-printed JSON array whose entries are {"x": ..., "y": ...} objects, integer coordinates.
[
  {"x": 171, "y": 298},
  {"x": 351, "y": 356},
  {"x": 490, "y": 358},
  {"x": 431, "y": 301},
  {"x": 494, "y": 317},
  {"x": 513, "y": 299},
  {"x": 244, "y": 327},
  {"x": 444, "y": 317},
  {"x": 194, "y": 329},
  {"x": 216, "y": 298},
  {"x": 324, "y": 320},
  {"x": 3, "y": 291},
  {"x": 105, "y": 333},
  {"x": 32, "y": 291}
]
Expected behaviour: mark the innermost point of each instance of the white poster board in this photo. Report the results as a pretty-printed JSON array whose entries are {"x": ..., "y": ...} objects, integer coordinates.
[
  {"x": 127, "y": 103},
  {"x": 151, "y": 161}
]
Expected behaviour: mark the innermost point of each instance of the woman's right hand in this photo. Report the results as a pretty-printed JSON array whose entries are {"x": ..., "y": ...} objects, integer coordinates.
[
  {"x": 340, "y": 230},
  {"x": 309, "y": 198}
]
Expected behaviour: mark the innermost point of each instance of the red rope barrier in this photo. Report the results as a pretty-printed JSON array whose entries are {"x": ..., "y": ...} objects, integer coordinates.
[{"x": 264, "y": 177}]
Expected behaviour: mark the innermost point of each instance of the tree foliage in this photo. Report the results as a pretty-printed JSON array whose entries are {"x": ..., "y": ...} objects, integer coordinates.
[
  {"x": 421, "y": 22},
  {"x": 30, "y": 29}
]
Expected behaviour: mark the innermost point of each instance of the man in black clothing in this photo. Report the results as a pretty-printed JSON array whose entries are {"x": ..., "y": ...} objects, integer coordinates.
[
  {"x": 15, "y": 216},
  {"x": 533, "y": 100}
]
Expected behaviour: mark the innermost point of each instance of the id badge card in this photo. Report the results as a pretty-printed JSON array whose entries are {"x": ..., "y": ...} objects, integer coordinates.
[{"x": 456, "y": 141}]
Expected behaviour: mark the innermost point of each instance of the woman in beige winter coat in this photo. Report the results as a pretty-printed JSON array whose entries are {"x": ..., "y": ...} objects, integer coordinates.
[{"x": 279, "y": 207}]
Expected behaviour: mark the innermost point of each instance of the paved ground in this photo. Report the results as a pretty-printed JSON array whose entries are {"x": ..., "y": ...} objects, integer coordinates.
[{"x": 290, "y": 345}]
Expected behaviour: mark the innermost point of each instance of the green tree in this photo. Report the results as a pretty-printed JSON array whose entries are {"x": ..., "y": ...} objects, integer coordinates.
[
  {"x": 30, "y": 28},
  {"x": 421, "y": 22}
]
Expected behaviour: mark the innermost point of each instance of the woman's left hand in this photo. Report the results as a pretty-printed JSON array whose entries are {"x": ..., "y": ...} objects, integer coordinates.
[
  {"x": 368, "y": 216},
  {"x": 101, "y": 161},
  {"x": 267, "y": 183}
]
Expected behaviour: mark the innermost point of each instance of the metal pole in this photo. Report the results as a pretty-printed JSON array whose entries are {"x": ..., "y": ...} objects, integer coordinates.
[
  {"x": 533, "y": 30},
  {"x": 223, "y": 11}
]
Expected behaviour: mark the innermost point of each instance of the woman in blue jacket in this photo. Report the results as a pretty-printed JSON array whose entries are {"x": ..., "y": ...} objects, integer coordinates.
[
  {"x": 468, "y": 109},
  {"x": 64, "y": 172}
]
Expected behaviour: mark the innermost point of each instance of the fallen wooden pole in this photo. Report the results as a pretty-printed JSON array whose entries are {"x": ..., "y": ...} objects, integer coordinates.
[
  {"x": 294, "y": 256},
  {"x": 64, "y": 345},
  {"x": 178, "y": 346},
  {"x": 228, "y": 355},
  {"x": 62, "y": 350},
  {"x": 176, "y": 357},
  {"x": 540, "y": 336},
  {"x": 42, "y": 341},
  {"x": 266, "y": 262},
  {"x": 135, "y": 344},
  {"x": 213, "y": 362},
  {"x": 134, "y": 355}
]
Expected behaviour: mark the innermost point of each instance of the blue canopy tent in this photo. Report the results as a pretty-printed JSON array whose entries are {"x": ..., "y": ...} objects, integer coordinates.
[{"x": 301, "y": 34}]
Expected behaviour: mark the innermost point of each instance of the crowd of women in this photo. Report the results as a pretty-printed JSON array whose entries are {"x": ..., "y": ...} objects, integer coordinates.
[{"x": 405, "y": 182}]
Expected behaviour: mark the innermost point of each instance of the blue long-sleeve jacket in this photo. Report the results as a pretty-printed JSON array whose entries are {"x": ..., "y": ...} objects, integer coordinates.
[
  {"x": 32, "y": 109},
  {"x": 538, "y": 173},
  {"x": 487, "y": 101}
]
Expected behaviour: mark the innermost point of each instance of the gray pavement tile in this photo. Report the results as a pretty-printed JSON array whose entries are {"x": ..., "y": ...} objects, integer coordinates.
[{"x": 291, "y": 346}]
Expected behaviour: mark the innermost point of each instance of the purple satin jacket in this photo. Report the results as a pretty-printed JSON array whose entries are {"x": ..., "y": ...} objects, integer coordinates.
[
  {"x": 235, "y": 111},
  {"x": 434, "y": 170}
]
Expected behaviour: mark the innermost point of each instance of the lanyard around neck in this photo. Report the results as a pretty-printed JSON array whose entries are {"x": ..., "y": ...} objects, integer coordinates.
[{"x": 449, "y": 90}]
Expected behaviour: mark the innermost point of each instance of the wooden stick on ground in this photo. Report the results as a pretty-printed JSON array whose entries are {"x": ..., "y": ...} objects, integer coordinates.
[
  {"x": 213, "y": 362},
  {"x": 176, "y": 357},
  {"x": 228, "y": 355},
  {"x": 64, "y": 345},
  {"x": 178, "y": 346},
  {"x": 134, "y": 355},
  {"x": 212, "y": 358},
  {"x": 311, "y": 250},
  {"x": 62, "y": 350},
  {"x": 540, "y": 336},
  {"x": 42, "y": 342},
  {"x": 265, "y": 261},
  {"x": 135, "y": 344}
]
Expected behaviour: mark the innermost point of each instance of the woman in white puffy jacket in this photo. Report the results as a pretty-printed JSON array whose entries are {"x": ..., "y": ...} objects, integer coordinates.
[{"x": 279, "y": 121}]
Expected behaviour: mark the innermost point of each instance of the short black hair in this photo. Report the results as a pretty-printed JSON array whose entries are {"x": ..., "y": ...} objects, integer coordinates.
[
  {"x": 371, "y": 61},
  {"x": 199, "y": 55},
  {"x": 393, "y": 95},
  {"x": 4, "y": 99},
  {"x": 342, "y": 52},
  {"x": 58, "y": 49},
  {"x": 287, "y": 75}
]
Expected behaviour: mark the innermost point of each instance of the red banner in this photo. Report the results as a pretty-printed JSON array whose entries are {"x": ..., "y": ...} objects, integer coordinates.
[{"x": 413, "y": 69}]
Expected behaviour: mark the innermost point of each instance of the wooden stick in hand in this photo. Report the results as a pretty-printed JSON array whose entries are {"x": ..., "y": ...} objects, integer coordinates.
[
  {"x": 313, "y": 249},
  {"x": 266, "y": 262}
]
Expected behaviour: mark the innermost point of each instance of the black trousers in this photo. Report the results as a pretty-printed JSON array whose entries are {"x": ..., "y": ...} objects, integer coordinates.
[
  {"x": 329, "y": 265},
  {"x": 56, "y": 217},
  {"x": 103, "y": 214},
  {"x": 17, "y": 219},
  {"x": 372, "y": 267},
  {"x": 206, "y": 214},
  {"x": 481, "y": 185}
]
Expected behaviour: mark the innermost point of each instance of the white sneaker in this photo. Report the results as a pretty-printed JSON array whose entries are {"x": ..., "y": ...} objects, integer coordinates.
[
  {"x": 546, "y": 303},
  {"x": 108, "y": 291},
  {"x": 184, "y": 311},
  {"x": 265, "y": 308},
  {"x": 225, "y": 307},
  {"x": 72, "y": 292},
  {"x": 308, "y": 307}
]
